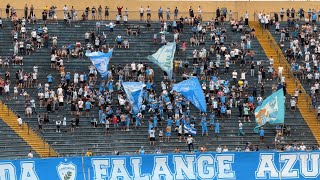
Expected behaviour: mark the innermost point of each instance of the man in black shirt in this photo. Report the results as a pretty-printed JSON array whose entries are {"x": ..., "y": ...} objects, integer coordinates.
[{"x": 191, "y": 12}]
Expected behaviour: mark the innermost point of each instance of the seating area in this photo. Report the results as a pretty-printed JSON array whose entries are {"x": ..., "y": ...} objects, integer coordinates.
[
  {"x": 85, "y": 137},
  {"x": 300, "y": 43},
  {"x": 11, "y": 145}
]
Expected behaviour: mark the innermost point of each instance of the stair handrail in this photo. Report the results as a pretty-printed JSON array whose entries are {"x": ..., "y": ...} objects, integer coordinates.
[
  {"x": 302, "y": 91},
  {"x": 281, "y": 58},
  {"x": 51, "y": 151}
]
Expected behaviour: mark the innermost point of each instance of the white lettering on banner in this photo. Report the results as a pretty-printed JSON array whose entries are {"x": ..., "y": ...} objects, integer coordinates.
[
  {"x": 307, "y": 160},
  {"x": 7, "y": 171},
  {"x": 184, "y": 166},
  {"x": 136, "y": 169},
  {"x": 28, "y": 172},
  {"x": 267, "y": 166},
  {"x": 119, "y": 170},
  {"x": 205, "y": 165},
  {"x": 161, "y": 169},
  {"x": 289, "y": 161},
  {"x": 224, "y": 163},
  {"x": 295, "y": 165},
  {"x": 100, "y": 167}
]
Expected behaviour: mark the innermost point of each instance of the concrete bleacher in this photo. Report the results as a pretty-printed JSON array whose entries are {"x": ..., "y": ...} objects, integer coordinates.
[
  {"x": 300, "y": 61},
  {"x": 12, "y": 145},
  {"x": 84, "y": 137}
]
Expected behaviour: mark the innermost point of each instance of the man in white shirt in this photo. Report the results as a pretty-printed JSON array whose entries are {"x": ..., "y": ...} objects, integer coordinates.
[
  {"x": 302, "y": 147},
  {"x": 19, "y": 122},
  {"x": 190, "y": 143},
  {"x": 241, "y": 133},
  {"x": 30, "y": 154},
  {"x": 141, "y": 11},
  {"x": 293, "y": 103},
  {"x": 225, "y": 149},
  {"x": 58, "y": 124},
  {"x": 280, "y": 71},
  {"x": 152, "y": 136},
  {"x": 133, "y": 68},
  {"x": 271, "y": 61},
  {"x": 235, "y": 76},
  {"x": 219, "y": 149}
]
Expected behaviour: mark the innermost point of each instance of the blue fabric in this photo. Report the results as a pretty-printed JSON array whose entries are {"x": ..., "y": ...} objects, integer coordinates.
[
  {"x": 190, "y": 130},
  {"x": 100, "y": 61},
  {"x": 272, "y": 110},
  {"x": 164, "y": 58},
  {"x": 134, "y": 91},
  {"x": 191, "y": 90}
]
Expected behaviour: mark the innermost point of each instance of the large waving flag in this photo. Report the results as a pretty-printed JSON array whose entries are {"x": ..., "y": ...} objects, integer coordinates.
[
  {"x": 191, "y": 90},
  {"x": 164, "y": 58},
  {"x": 271, "y": 110},
  {"x": 101, "y": 61},
  {"x": 134, "y": 91},
  {"x": 190, "y": 129}
]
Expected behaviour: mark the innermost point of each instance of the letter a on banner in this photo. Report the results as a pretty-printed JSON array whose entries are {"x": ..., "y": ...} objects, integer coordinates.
[
  {"x": 100, "y": 61},
  {"x": 134, "y": 94},
  {"x": 191, "y": 90},
  {"x": 164, "y": 58}
]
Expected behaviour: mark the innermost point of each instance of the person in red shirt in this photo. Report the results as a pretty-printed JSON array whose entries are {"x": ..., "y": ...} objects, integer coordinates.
[{"x": 119, "y": 10}]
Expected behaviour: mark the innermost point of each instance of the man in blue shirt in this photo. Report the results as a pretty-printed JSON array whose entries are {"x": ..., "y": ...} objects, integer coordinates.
[
  {"x": 261, "y": 132},
  {"x": 50, "y": 78},
  {"x": 204, "y": 127},
  {"x": 217, "y": 128},
  {"x": 169, "y": 122},
  {"x": 160, "y": 13},
  {"x": 223, "y": 110},
  {"x": 88, "y": 107}
]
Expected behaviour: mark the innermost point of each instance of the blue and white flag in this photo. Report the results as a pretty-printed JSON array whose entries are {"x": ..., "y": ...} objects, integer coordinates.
[
  {"x": 134, "y": 91},
  {"x": 164, "y": 58},
  {"x": 271, "y": 110},
  {"x": 100, "y": 61},
  {"x": 191, "y": 90},
  {"x": 190, "y": 130}
]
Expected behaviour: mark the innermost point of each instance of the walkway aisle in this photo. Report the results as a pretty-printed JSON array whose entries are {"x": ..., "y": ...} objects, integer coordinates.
[
  {"x": 38, "y": 144},
  {"x": 271, "y": 48}
]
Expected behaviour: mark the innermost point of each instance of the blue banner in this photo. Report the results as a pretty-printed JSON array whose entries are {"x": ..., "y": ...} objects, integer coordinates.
[
  {"x": 208, "y": 166},
  {"x": 164, "y": 58},
  {"x": 271, "y": 110},
  {"x": 134, "y": 91},
  {"x": 100, "y": 61},
  {"x": 191, "y": 90}
]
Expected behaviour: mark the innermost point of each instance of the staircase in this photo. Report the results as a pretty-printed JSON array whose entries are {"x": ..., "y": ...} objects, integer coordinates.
[
  {"x": 304, "y": 102},
  {"x": 28, "y": 134}
]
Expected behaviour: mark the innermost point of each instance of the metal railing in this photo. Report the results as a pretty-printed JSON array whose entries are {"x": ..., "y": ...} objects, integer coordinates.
[
  {"x": 303, "y": 95},
  {"x": 30, "y": 129}
]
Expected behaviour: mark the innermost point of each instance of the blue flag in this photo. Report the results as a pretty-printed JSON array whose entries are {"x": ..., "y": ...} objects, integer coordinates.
[
  {"x": 100, "y": 61},
  {"x": 134, "y": 91},
  {"x": 164, "y": 58},
  {"x": 190, "y": 130},
  {"x": 191, "y": 90},
  {"x": 271, "y": 110}
]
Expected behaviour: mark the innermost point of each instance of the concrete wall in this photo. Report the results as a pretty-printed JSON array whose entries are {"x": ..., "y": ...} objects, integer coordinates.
[{"x": 183, "y": 5}]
